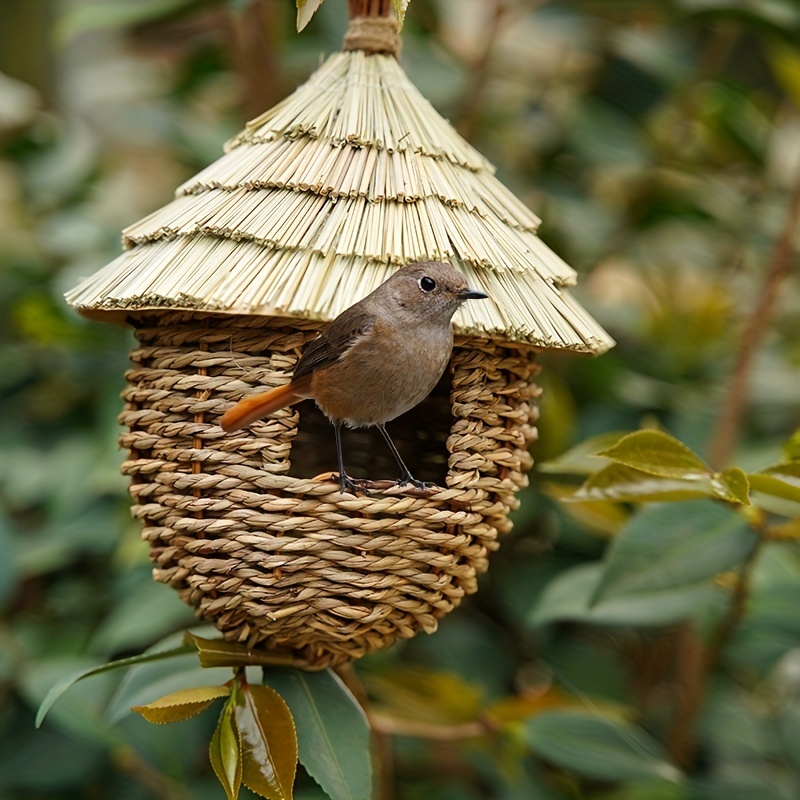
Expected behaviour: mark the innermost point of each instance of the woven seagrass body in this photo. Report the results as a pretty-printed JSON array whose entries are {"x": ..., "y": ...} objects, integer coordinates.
[{"x": 275, "y": 558}]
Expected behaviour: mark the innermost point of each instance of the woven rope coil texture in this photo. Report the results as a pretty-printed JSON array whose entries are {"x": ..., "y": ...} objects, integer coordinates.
[{"x": 289, "y": 563}]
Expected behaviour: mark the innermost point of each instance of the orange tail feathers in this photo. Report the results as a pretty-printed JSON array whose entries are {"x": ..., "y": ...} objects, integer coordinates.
[{"x": 247, "y": 411}]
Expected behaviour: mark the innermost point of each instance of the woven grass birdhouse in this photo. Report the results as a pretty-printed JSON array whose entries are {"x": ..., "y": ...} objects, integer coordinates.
[{"x": 312, "y": 206}]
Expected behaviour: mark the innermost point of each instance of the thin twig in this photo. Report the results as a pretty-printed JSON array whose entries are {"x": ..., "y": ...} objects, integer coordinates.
[
  {"x": 696, "y": 664},
  {"x": 691, "y": 673},
  {"x": 157, "y": 784},
  {"x": 480, "y": 73},
  {"x": 736, "y": 609},
  {"x": 728, "y": 428},
  {"x": 255, "y": 49}
]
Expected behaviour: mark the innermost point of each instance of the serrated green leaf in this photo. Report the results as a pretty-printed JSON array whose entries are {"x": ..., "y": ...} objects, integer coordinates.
[
  {"x": 598, "y": 747},
  {"x": 181, "y": 705},
  {"x": 122, "y": 663},
  {"x": 269, "y": 742},
  {"x": 221, "y": 653},
  {"x": 144, "y": 682},
  {"x": 674, "y": 545},
  {"x": 332, "y": 731},
  {"x": 225, "y": 752},
  {"x": 305, "y": 10},
  {"x": 657, "y": 453},
  {"x": 624, "y": 484}
]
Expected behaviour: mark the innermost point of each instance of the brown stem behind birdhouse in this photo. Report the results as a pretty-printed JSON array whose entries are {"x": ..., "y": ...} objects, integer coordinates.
[{"x": 369, "y": 8}]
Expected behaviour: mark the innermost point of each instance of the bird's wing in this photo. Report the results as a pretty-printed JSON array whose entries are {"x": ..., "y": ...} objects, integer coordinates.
[{"x": 347, "y": 329}]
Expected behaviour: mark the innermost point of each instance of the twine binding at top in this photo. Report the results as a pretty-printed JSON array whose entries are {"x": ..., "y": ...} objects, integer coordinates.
[{"x": 373, "y": 35}]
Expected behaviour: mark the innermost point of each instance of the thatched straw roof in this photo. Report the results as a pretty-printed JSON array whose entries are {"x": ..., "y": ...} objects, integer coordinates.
[{"x": 320, "y": 198}]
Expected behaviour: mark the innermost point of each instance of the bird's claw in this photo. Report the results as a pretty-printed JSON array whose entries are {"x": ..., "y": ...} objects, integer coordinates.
[
  {"x": 410, "y": 480},
  {"x": 352, "y": 485}
]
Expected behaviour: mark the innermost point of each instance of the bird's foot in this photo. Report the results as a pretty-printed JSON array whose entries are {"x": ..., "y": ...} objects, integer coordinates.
[
  {"x": 352, "y": 485},
  {"x": 410, "y": 480}
]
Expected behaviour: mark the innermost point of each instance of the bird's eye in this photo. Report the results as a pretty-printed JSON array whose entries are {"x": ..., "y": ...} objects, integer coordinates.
[{"x": 427, "y": 284}]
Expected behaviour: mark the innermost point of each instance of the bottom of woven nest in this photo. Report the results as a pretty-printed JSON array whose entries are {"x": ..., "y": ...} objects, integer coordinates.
[{"x": 278, "y": 560}]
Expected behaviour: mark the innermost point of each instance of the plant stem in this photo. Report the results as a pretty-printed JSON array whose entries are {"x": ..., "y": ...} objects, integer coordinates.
[
  {"x": 696, "y": 664},
  {"x": 256, "y": 51},
  {"x": 155, "y": 782},
  {"x": 728, "y": 427},
  {"x": 737, "y": 608},
  {"x": 480, "y": 73}
]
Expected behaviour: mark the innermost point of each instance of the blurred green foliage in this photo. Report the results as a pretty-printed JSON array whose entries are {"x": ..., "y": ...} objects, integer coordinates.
[{"x": 660, "y": 142}]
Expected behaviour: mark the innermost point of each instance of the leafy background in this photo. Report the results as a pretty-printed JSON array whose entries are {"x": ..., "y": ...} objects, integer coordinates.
[{"x": 660, "y": 142}]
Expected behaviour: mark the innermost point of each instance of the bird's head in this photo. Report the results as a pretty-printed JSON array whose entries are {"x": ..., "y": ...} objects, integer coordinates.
[{"x": 430, "y": 290}]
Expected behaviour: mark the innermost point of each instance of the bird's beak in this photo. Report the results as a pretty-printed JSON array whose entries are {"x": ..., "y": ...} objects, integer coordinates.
[{"x": 471, "y": 294}]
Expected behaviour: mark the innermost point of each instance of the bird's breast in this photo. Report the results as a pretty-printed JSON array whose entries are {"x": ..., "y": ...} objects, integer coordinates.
[{"x": 383, "y": 375}]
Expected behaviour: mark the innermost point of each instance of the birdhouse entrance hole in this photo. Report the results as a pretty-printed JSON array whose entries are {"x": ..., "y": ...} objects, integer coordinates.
[{"x": 420, "y": 435}]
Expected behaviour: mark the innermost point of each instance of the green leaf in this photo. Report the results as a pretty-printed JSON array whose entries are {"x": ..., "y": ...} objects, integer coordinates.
[
  {"x": 146, "y": 681},
  {"x": 400, "y": 7},
  {"x": 601, "y": 517},
  {"x": 789, "y": 733},
  {"x": 598, "y": 747},
  {"x": 426, "y": 695},
  {"x": 305, "y": 10},
  {"x": 332, "y": 731},
  {"x": 624, "y": 484},
  {"x": 269, "y": 742},
  {"x": 181, "y": 705},
  {"x": 657, "y": 453},
  {"x": 122, "y": 663},
  {"x": 567, "y": 599},
  {"x": 785, "y": 62},
  {"x": 225, "y": 752},
  {"x": 732, "y": 485},
  {"x": 221, "y": 653},
  {"x": 791, "y": 447},
  {"x": 675, "y": 545},
  {"x": 771, "y": 627},
  {"x": 145, "y": 612},
  {"x": 781, "y": 480},
  {"x": 582, "y": 459}
]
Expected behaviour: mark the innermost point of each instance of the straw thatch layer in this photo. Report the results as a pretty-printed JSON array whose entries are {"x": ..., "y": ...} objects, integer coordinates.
[
  {"x": 213, "y": 274},
  {"x": 321, "y": 197},
  {"x": 364, "y": 101}
]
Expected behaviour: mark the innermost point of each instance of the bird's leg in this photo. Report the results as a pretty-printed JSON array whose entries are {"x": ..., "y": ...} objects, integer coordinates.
[
  {"x": 346, "y": 483},
  {"x": 406, "y": 476}
]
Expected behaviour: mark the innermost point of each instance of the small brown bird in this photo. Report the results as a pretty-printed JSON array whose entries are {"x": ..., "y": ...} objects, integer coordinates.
[{"x": 376, "y": 360}]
